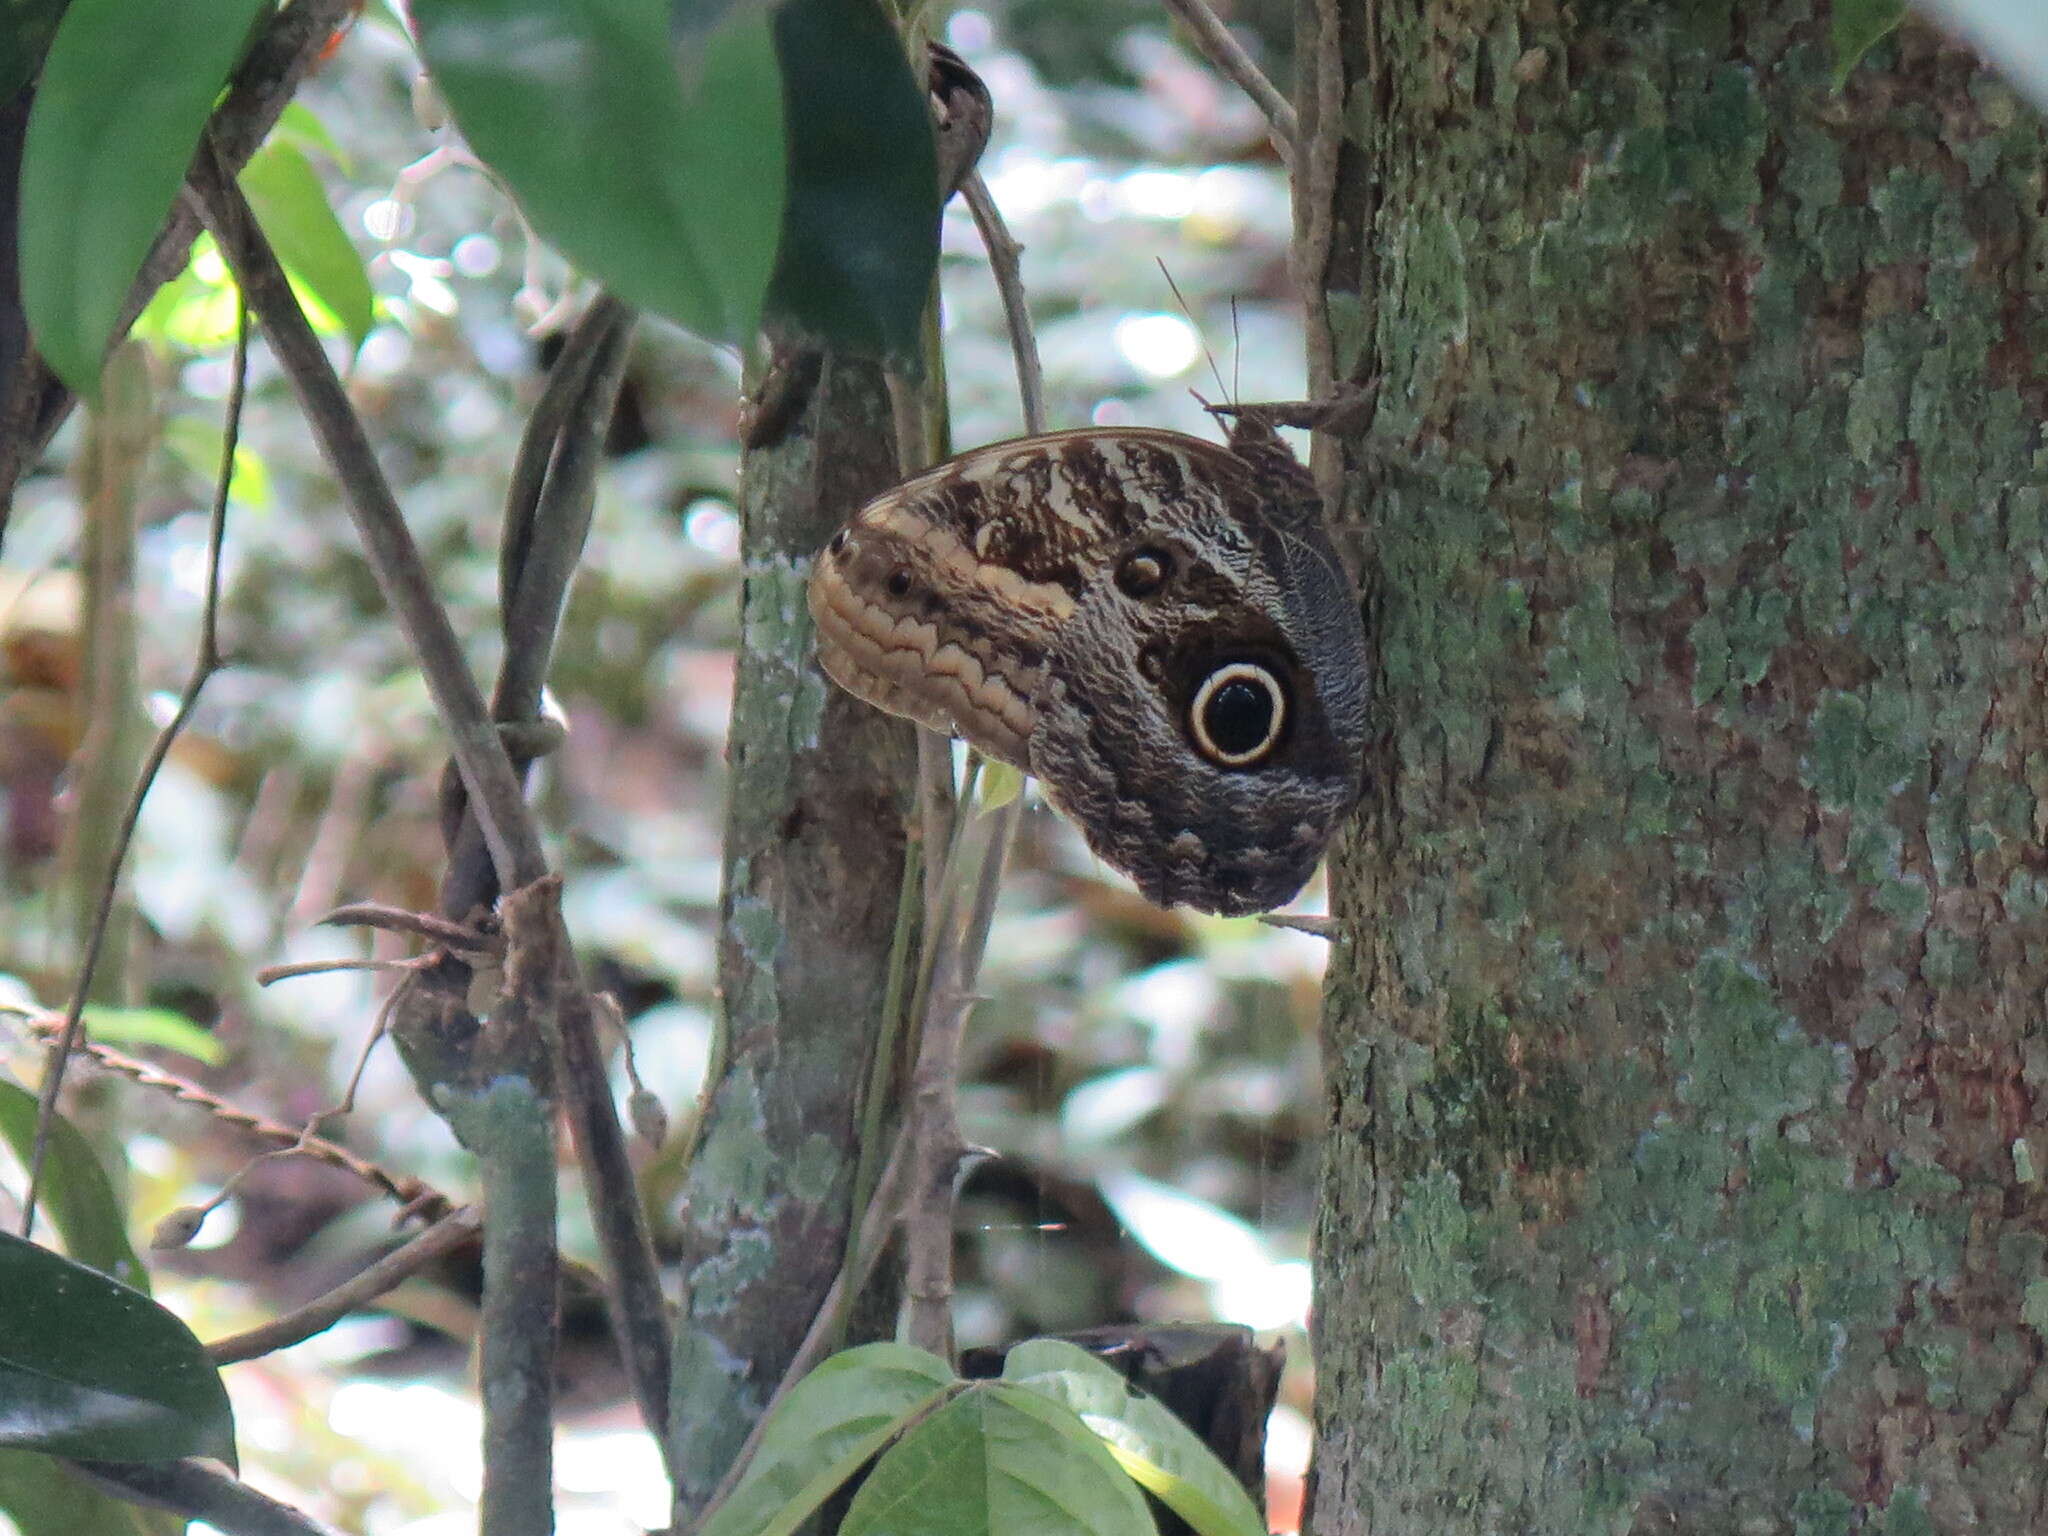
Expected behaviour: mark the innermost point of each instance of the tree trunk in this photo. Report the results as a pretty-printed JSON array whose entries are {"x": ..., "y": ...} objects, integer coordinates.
[
  {"x": 1685, "y": 1034},
  {"x": 820, "y": 796}
]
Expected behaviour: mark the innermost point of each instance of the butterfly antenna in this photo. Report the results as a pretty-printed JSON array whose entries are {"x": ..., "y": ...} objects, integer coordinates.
[
  {"x": 1236, "y": 353},
  {"x": 1181, "y": 300}
]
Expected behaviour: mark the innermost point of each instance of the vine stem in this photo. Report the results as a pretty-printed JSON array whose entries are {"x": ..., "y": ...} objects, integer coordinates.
[
  {"x": 963, "y": 910},
  {"x": 206, "y": 663},
  {"x": 1213, "y": 38},
  {"x": 394, "y": 558}
]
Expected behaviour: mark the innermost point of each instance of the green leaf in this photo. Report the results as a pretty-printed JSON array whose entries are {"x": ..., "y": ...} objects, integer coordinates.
[
  {"x": 1858, "y": 27},
  {"x": 42, "y": 1499},
  {"x": 1000, "y": 784},
  {"x": 75, "y": 1191},
  {"x": 997, "y": 1460},
  {"x": 195, "y": 309},
  {"x": 195, "y": 441},
  {"x": 26, "y": 27},
  {"x": 292, "y": 207},
  {"x": 93, "y": 1369},
  {"x": 659, "y": 171},
  {"x": 831, "y": 1422},
  {"x": 117, "y": 116},
  {"x": 299, "y": 126},
  {"x": 1149, "y": 1441},
  {"x": 163, "y": 1027},
  {"x": 860, "y": 238}
]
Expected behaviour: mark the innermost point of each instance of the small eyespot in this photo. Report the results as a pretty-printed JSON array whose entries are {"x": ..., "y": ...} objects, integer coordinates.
[
  {"x": 1238, "y": 714},
  {"x": 838, "y": 544},
  {"x": 1144, "y": 571},
  {"x": 899, "y": 582}
]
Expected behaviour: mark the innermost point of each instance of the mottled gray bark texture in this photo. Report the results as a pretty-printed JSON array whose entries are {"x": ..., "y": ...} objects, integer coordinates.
[
  {"x": 1685, "y": 1041},
  {"x": 820, "y": 797}
]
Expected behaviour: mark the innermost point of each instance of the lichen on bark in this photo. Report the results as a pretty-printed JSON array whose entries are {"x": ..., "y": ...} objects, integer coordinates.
[
  {"x": 814, "y": 858},
  {"x": 1685, "y": 1042}
]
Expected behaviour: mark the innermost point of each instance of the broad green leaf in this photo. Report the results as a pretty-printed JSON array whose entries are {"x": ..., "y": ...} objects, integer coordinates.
[
  {"x": 831, "y": 1422},
  {"x": 194, "y": 441},
  {"x": 1000, "y": 784},
  {"x": 299, "y": 126},
  {"x": 75, "y": 1191},
  {"x": 26, "y": 27},
  {"x": 90, "y": 1368},
  {"x": 860, "y": 239},
  {"x": 997, "y": 1461},
  {"x": 1857, "y": 27},
  {"x": 1149, "y": 1441},
  {"x": 156, "y": 1026},
  {"x": 42, "y": 1499},
  {"x": 292, "y": 207},
  {"x": 660, "y": 171},
  {"x": 195, "y": 309},
  {"x": 117, "y": 115}
]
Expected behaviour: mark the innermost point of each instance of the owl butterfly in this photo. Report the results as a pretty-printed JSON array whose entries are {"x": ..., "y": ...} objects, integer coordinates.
[{"x": 1155, "y": 626}]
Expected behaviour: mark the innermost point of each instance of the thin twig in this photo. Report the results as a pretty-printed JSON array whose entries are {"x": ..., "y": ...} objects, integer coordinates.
[
  {"x": 938, "y": 1150},
  {"x": 203, "y": 667},
  {"x": 887, "y": 1064},
  {"x": 547, "y": 522},
  {"x": 458, "y": 1227},
  {"x": 1315, "y": 199},
  {"x": 970, "y": 880},
  {"x": 566, "y": 391},
  {"x": 270, "y": 974},
  {"x": 1005, "y": 267},
  {"x": 1213, "y": 38},
  {"x": 424, "y": 925},
  {"x": 202, "y": 1490},
  {"x": 415, "y": 1195},
  {"x": 394, "y": 558},
  {"x": 632, "y": 1278}
]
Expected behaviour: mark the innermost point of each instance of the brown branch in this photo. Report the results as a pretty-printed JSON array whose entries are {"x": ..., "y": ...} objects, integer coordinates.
[
  {"x": 422, "y": 925},
  {"x": 492, "y": 784},
  {"x": 415, "y": 1195},
  {"x": 547, "y": 521},
  {"x": 201, "y": 1490},
  {"x": 1213, "y": 38},
  {"x": 388, "y": 545},
  {"x": 459, "y": 1227},
  {"x": 972, "y": 874},
  {"x": 1005, "y": 266}
]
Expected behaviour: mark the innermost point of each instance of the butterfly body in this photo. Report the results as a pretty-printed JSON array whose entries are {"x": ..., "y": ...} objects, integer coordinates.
[{"x": 1153, "y": 625}]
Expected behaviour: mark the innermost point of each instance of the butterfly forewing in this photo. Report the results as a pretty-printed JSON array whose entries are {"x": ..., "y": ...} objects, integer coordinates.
[{"x": 1154, "y": 625}]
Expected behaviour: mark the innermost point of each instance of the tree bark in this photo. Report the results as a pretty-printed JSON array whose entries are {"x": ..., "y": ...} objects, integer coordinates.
[
  {"x": 820, "y": 797},
  {"x": 1685, "y": 1031}
]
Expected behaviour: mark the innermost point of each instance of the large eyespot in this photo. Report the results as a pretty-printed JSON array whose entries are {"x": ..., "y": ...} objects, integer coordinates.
[
  {"x": 898, "y": 582},
  {"x": 1238, "y": 714},
  {"x": 1144, "y": 571}
]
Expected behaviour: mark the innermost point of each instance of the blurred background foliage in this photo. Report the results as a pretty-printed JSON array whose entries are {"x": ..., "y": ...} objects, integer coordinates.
[{"x": 1147, "y": 1078}]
